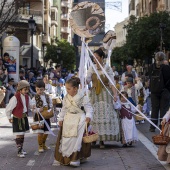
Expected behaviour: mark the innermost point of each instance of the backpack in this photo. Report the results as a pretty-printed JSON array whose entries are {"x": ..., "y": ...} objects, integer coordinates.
[{"x": 156, "y": 80}]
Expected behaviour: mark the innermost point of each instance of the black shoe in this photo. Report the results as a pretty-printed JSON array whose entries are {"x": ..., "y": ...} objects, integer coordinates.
[
  {"x": 152, "y": 130},
  {"x": 124, "y": 145}
]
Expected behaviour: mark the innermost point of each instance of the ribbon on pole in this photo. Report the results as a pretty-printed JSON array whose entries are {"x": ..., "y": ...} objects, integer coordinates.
[
  {"x": 48, "y": 127},
  {"x": 117, "y": 89}
]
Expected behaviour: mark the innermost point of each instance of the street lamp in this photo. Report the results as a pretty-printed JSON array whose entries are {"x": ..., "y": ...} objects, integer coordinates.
[
  {"x": 162, "y": 27},
  {"x": 58, "y": 52},
  {"x": 32, "y": 28}
]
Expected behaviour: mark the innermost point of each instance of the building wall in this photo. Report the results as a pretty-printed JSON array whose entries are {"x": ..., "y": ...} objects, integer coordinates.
[{"x": 121, "y": 33}]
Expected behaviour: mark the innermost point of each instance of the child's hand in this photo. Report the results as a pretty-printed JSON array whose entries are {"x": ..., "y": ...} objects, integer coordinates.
[
  {"x": 163, "y": 121},
  {"x": 10, "y": 120},
  {"x": 88, "y": 119},
  {"x": 115, "y": 98},
  {"x": 60, "y": 123},
  {"x": 41, "y": 109}
]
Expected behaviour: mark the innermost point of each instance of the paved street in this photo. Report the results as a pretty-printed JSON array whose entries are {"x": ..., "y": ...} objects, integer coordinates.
[{"x": 113, "y": 157}]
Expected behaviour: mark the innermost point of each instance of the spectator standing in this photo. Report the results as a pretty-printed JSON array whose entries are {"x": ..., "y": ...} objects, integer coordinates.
[
  {"x": 159, "y": 75},
  {"x": 10, "y": 91},
  {"x": 129, "y": 71},
  {"x": 114, "y": 71}
]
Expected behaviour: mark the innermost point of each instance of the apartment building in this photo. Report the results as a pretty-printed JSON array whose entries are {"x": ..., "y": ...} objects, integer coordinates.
[
  {"x": 121, "y": 33},
  {"x": 66, "y": 32},
  {"x": 140, "y": 8},
  {"x": 46, "y": 14}
]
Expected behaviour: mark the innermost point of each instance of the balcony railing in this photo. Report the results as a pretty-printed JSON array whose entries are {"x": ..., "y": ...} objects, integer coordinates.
[
  {"x": 27, "y": 13},
  {"x": 54, "y": 22},
  {"x": 66, "y": 4},
  {"x": 65, "y": 29},
  {"x": 65, "y": 16}
]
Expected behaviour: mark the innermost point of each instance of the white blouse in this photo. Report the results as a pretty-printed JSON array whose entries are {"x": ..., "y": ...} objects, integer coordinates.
[{"x": 68, "y": 107}]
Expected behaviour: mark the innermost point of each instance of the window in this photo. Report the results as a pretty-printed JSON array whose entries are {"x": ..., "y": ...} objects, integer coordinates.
[{"x": 53, "y": 15}]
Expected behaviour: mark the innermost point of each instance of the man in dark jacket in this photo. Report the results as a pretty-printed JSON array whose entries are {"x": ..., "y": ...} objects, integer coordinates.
[{"x": 159, "y": 75}]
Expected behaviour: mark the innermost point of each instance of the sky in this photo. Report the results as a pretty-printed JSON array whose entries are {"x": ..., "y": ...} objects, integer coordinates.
[{"x": 113, "y": 16}]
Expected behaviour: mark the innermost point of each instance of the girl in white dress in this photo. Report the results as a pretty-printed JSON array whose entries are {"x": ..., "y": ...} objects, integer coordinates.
[
  {"x": 129, "y": 132},
  {"x": 75, "y": 113}
]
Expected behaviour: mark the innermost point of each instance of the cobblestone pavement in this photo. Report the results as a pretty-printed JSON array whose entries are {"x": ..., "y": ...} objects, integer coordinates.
[{"x": 113, "y": 157}]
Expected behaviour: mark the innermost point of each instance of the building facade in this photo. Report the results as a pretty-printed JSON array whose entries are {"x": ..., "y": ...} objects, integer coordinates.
[
  {"x": 140, "y": 8},
  {"x": 66, "y": 32},
  {"x": 121, "y": 33},
  {"x": 52, "y": 22}
]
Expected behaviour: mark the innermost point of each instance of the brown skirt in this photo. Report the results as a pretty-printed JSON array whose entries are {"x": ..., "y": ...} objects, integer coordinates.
[{"x": 85, "y": 152}]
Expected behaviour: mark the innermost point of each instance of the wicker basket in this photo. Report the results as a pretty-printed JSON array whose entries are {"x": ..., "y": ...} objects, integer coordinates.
[
  {"x": 38, "y": 124},
  {"x": 89, "y": 138},
  {"x": 139, "y": 117},
  {"x": 161, "y": 139},
  {"x": 46, "y": 114}
]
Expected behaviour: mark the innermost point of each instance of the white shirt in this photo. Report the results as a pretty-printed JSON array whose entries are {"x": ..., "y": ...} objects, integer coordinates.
[
  {"x": 12, "y": 104},
  {"x": 77, "y": 99},
  {"x": 48, "y": 88}
]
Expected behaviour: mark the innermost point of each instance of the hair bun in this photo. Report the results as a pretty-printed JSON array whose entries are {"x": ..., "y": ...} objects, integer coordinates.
[
  {"x": 76, "y": 79},
  {"x": 101, "y": 53}
]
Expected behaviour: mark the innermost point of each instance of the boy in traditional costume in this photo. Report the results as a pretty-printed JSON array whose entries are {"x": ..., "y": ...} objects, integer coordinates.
[
  {"x": 18, "y": 107},
  {"x": 75, "y": 113},
  {"x": 42, "y": 102}
]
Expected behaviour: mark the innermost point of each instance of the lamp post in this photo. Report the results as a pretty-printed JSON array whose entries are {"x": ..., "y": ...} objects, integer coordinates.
[
  {"x": 58, "y": 52},
  {"x": 162, "y": 27},
  {"x": 32, "y": 28}
]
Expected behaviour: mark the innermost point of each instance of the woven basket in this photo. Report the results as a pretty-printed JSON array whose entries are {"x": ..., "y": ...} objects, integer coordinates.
[
  {"x": 54, "y": 101},
  {"x": 138, "y": 117},
  {"x": 90, "y": 138},
  {"x": 161, "y": 139},
  {"x": 38, "y": 124},
  {"x": 46, "y": 114}
]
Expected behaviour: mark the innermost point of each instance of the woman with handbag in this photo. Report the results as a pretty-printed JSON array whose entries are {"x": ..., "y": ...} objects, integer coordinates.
[
  {"x": 43, "y": 105},
  {"x": 18, "y": 107},
  {"x": 75, "y": 113}
]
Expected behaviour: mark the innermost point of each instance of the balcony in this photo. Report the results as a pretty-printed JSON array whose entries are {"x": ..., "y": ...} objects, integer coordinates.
[
  {"x": 46, "y": 39},
  {"x": 27, "y": 13},
  {"x": 54, "y": 22},
  {"x": 65, "y": 17},
  {"x": 66, "y": 4},
  {"x": 65, "y": 29}
]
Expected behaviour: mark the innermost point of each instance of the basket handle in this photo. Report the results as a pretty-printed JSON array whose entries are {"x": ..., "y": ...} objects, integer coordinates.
[
  {"x": 86, "y": 129},
  {"x": 38, "y": 116},
  {"x": 162, "y": 132}
]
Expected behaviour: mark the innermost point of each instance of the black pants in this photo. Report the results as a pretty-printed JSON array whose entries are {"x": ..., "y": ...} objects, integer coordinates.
[{"x": 160, "y": 104}]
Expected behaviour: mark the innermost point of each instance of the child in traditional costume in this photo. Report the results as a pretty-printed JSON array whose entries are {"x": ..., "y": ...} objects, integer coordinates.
[
  {"x": 132, "y": 91},
  {"x": 18, "y": 107},
  {"x": 42, "y": 102},
  {"x": 129, "y": 132},
  {"x": 75, "y": 113}
]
